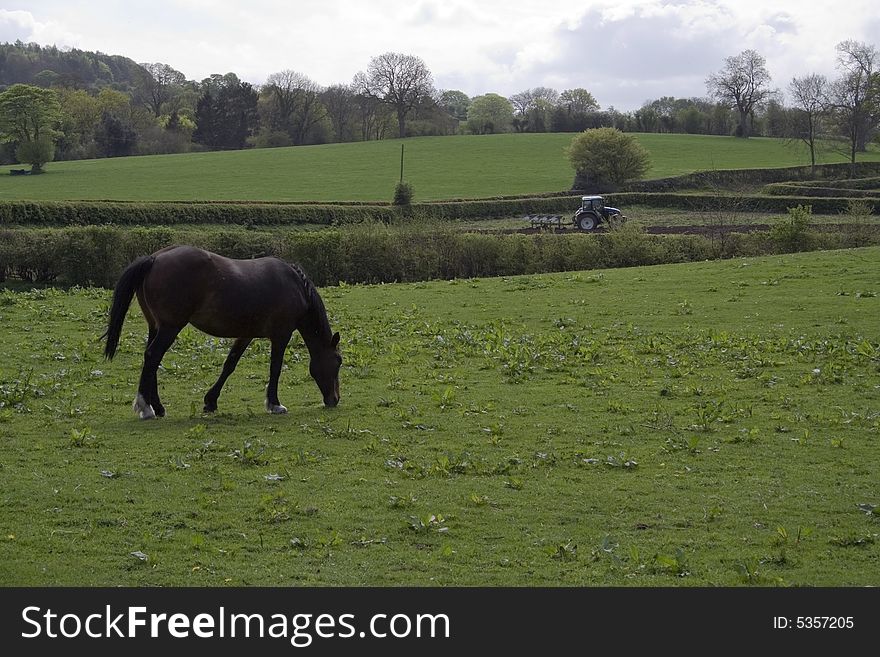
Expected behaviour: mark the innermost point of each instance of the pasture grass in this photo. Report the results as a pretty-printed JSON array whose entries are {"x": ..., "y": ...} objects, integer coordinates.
[
  {"x": 684, "y": 425},
  {"x": 437, "y": 167}
]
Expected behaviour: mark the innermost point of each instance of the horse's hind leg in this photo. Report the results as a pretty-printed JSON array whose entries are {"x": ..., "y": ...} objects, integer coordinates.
[
  {"x": 148, "y": 384},
  {"x": 232, "y": 359},
  {"x": 279, "y": 344}
]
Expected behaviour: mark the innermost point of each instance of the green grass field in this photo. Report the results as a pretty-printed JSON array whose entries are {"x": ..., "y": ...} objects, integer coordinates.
[
  {"x": 705, "y": 424},
  {"x": 438, "y": 168}
]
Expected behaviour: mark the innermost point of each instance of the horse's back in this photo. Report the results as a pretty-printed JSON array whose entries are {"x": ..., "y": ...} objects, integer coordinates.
[{"x": 219, "y": 295}]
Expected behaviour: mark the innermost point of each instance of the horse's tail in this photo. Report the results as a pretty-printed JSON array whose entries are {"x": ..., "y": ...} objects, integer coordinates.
[{"x": 126, "y": 286}]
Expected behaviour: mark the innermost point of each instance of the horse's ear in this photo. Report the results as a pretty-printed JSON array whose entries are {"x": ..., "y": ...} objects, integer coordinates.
[{"x": 334, "y": 340}]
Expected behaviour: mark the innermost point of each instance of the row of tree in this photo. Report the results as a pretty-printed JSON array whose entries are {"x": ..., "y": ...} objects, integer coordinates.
[{"x": 104, "y": 107}]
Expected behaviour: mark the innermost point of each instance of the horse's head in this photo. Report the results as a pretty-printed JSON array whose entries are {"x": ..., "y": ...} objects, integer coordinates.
[{"x": 324, "y": 369}]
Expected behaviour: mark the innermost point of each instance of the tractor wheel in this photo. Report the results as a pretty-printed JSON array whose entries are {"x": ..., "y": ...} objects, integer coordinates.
[{"x": 587, "y": 221}]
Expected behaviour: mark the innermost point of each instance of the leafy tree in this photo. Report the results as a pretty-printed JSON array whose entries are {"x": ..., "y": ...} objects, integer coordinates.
[
  {"x": 81, "y": 113},
  {"x": 226, "y": 118},
  {"x": 742, "y": 84},
  {"x": 159, "y": 84},
  {"x": 455, "y": 103},
  {"x": 115, "y": 136},
  {"x": 578, "y": 101},
  {"x": 490, "y": 113},
  {"x": 29, "y": 117},
  {"x": 400, "y": 81},
  {"x": 605, "y": 158}
]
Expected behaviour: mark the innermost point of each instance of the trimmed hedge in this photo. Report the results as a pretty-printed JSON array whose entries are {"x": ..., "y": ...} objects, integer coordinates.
[
  {"x": 787, "y": 189},
  {"x": 92, "y": 213},
  {"x": 727, "y": 178},
  {"x": 96, "y": 255},
  {"x": 103, "y": 213}
]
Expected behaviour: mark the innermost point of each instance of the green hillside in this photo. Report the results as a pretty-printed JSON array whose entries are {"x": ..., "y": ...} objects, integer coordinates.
[{"x": 438, "y": 168}]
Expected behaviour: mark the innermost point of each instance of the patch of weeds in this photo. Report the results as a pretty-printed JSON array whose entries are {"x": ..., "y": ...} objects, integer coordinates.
[
  {"x": 782, "y": 542},
  {"x": 514, "y": 483},
  {"x": 681, "y": 443},
  {"x": 16, "y": 393},
  {"x": 495, "y": 431},
  {"x": 82, "y": 438},
  {"x": 450, "y": 463},
  {"x": 713, "y": 513},
  {"x": 749, "y": 573},
  {"x": 708, "y": 413},
  {"x": 621, "y": 461},
  {"x": 446, "y": 399},
  {"x": 303, "y": 457},
  {"x": 606, "y": 547},
  {"x": 400, "y": 502},
  {"x": 674, "y": 564},
  {"x": 320, "y": 542},
  {"x": 250, "y": 454},
  {"x": 863, "y": 540},
  {"x": 478, "y": 500},
  {"x": 195, "y": 432},
  {"x": 197, "y": 541},
  {"x": 274, "y": 508},
  {"x": 563, "y": 551},
  {"x": 428, "y": 523},
  {"x": 749, "y": 436},
  {"x": 178, "y": 463}
]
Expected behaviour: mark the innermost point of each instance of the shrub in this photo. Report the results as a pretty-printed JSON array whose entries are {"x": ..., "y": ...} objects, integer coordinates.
[
  {"x": 403, "y": 193},
  {"x": 604, "y": 158},
  {"x": 793, "y": 234}
]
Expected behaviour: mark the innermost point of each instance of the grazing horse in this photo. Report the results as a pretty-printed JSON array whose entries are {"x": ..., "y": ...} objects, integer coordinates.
[{"x": 241, "y": 299}]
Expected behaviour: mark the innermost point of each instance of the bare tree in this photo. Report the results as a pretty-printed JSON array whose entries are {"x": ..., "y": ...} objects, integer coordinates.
[
  {"x": 340, "y": 103},
  {"x": 810, "y": 95},
  {"x": 855, "y": 96},
  {"x": 742, "y": 84},
  {"x": 400, "y": 81},
  {"x": 296, "y": 103}
]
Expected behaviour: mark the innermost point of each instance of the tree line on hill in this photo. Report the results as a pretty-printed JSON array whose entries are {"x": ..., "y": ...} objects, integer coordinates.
[{"x": 96, "y": 105}]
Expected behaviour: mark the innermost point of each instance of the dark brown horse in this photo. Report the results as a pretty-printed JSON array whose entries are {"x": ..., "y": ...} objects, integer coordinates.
[{"x": 241, "y": 299}]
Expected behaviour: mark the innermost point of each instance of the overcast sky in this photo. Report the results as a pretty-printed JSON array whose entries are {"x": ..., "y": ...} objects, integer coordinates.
[{"x": 623, "y": 51}]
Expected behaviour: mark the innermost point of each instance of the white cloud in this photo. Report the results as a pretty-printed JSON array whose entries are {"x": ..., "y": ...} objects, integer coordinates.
[{"x": 21, "y": 25}]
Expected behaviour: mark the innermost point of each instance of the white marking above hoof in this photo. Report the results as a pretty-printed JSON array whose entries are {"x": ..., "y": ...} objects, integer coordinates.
[
  {"x": 142, "y": 408},
  {"x": 276, "y": 409}
]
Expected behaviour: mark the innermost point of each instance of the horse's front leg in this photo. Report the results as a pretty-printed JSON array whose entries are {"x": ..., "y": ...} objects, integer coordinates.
[
  {"x": 232, "y": 359},
  {"x": 279, "y": 345}
]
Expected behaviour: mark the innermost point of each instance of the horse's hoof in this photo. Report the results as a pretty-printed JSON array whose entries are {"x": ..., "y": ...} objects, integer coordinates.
[
  {"x": 142, "y": 408},
  {"x": 209, "y": 409},
  {"x": 276, "y": 409}
]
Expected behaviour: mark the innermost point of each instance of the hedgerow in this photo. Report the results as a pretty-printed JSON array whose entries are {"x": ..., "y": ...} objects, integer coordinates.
[{"x": 375, "y": 252}]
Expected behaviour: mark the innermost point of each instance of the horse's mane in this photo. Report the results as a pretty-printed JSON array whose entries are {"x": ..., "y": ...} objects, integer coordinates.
[{"x": 318, "y": 324}]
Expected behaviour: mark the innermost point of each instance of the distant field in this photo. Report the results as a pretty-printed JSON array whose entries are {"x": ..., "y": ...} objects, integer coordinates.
[{"x": 438, "y": 168}]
